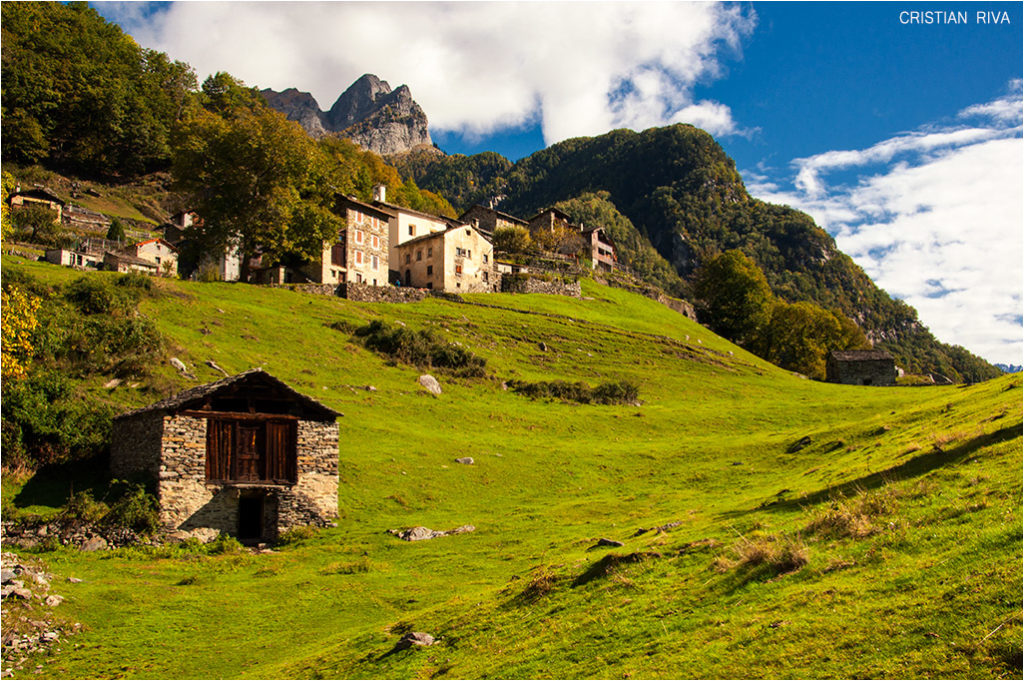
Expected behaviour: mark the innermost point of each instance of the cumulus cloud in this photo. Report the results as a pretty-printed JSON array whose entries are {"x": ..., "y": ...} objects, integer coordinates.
[
  {"x": 579, "y": 68},
  {"x": 935, "y": 218}
]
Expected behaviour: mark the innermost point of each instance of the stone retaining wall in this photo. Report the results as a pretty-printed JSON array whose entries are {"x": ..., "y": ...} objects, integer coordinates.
[
  {"x": 525, "y": 283},
  {"x": 365, "y": 293},
  {"x": 318, "y": 289}
]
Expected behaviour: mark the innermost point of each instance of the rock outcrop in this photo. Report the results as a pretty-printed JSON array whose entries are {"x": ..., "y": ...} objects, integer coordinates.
[{"x": 369, "y": 113}]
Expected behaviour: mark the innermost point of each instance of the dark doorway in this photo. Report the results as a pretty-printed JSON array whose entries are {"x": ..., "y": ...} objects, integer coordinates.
[{"x": 250, "y": 518}]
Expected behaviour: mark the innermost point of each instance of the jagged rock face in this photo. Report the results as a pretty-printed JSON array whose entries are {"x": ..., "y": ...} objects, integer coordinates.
[
  {"x": 369, "y": 113},
  {"x": 298, "y": 106},
  {"x": 358, "y": 102}
]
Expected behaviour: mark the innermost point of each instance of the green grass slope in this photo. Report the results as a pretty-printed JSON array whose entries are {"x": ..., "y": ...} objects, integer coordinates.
[{"x": 888, "y": 545}]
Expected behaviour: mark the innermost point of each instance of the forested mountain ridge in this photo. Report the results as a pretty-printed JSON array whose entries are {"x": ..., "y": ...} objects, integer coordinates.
[{"x": 683, "y": 193}]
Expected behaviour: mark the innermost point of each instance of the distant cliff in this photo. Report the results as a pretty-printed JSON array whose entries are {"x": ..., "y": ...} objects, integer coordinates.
[{"x": 369, "y": 113}]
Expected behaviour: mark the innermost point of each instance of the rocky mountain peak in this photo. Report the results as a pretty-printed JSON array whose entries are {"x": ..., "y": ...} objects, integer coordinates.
[
  {"x": 368, "y": 112},
  {"x": 358, "y": 102}
]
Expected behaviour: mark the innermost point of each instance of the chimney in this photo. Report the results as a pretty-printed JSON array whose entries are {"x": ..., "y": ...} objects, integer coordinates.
[{"x": 379, "y": 193}]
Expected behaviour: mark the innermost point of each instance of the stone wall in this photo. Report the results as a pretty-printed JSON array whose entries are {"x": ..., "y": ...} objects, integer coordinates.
[
  {"x": 525, "y": 283},
  {"x": 366, "y": 293},
  {"x": 313, "y": 500},
  {"x": 135, "y": 445},
  {"x": 318, "y": 289},
  {"x": 181, "y": 484},
  {"x": 680, "y": 306}
]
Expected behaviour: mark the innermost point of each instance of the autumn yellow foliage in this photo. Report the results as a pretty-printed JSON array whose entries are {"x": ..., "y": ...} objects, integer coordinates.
[{"x": 19, "y": 321}]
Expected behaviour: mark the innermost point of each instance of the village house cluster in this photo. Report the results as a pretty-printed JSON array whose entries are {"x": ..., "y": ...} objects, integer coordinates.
[
  {"x": 156, "y": 257},
  {"x": 384, "y": 244},
  {"x": 381, "y": 244}
]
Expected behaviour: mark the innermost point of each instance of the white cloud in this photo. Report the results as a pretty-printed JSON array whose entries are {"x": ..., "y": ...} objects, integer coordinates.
[
  {"x": 936, "y": 218},
  {"x": 581, "y": 67}
]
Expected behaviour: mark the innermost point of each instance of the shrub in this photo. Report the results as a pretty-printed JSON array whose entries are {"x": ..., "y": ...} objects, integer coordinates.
[
  {"x": 209, "y": 273},
  {"x": 81, "y": 509},
  {"x": 358, "y": 566},
  {"x": 136, "y": 510},
  {"x": 854, "y": 517},
  {"x": 422, "y": 349},
  {"x": 297, "y": 535},
  {"x": 779, "y": 554},
  {"x": 45, "y": 421},
  {"x": 615, "y": 392},
  {"x": 225, "y": 544}
]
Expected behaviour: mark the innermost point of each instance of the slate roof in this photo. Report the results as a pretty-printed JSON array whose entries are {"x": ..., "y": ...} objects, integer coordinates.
[
  {"x": 860, "y": 355},
  {"x": 191, "y": 396},
  {"x": 131, "y": 259},
  {"x": 504, "y": 216}
]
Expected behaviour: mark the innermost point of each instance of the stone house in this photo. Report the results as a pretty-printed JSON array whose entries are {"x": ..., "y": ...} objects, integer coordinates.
[
  {"x": 457, "y": 260},
  {"x": 405, "y": 224},
  {"x": 550, "y": 219},
  {"x": 158, "y": 251},
  {"x": 78, "y": 258},
  {"x": 489, "y": 219},
  {"x": 602, "y": 249},
  {"x": 860, "y": 367},
  {"x": 123, "y": 262},
  {"x": 246, "y": 455},
  {"x": 360, "y": 252},
  {"x": 37, "y": 197}
]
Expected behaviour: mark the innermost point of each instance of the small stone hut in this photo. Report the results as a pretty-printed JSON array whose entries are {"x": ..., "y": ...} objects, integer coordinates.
[
  {"x": 245, "y": 455},
  {"x": 860, "y": 367}
]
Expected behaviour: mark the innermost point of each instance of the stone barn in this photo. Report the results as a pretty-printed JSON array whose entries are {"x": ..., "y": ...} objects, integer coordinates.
[
  {"x": 860, "y": 367},
  {"x": 245, "y": 455}
]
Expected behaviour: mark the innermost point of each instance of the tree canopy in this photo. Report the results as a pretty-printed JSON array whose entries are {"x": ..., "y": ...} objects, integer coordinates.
[
  {"x": 256, "y": 179},
  {"x": 80, "y": 94},
  {"x": 733, "y": 298}
]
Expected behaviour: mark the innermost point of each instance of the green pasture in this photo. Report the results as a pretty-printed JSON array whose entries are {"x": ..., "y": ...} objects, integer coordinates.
[{"x": 903, "y": 510}]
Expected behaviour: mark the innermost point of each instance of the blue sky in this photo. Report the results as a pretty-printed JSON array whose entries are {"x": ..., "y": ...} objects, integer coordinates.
[{"x": 899, "y": 133}]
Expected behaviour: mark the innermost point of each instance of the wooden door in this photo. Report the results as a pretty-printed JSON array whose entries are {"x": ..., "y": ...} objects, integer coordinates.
[{"x": 251, "y": 443}]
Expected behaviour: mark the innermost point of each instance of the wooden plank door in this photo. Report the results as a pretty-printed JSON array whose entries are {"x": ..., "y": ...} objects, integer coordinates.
[{"x": 251, "y": 444}]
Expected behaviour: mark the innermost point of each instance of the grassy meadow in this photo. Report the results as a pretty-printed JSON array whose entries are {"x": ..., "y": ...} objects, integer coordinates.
[{"x": 887, "y": 544}]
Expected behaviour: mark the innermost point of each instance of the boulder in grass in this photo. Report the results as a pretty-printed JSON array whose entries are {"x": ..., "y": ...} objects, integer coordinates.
[{"x": 430, "y": 383}]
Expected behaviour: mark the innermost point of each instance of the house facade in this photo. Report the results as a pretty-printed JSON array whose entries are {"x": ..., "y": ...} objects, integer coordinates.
[
  {"x": 158, "y": 251},
  {"x": 550, "y": 219},
  {"x": 245, "y": 455},
  {"x": 457, "y": 260},
  {"x": 602, "y": 249},
  {"x": 860, "y": 367},
  {"x": 405, "y": 224},
  {"x": 360, "y": 252},
  {"x": 124, "y": 263},
  {"x": 77, "y": 258},
  {"x": 489, "y": 219}
]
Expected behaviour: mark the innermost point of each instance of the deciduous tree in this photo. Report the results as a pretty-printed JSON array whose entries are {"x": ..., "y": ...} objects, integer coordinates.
[
  {"x": 732, "y": 296},
  {"x": 257, "y": 179}
]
